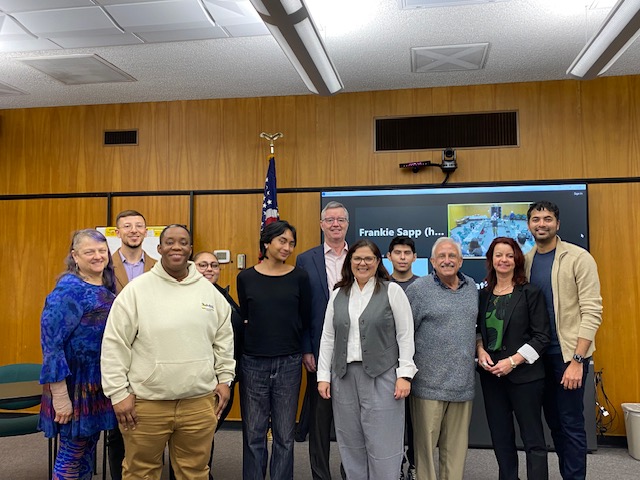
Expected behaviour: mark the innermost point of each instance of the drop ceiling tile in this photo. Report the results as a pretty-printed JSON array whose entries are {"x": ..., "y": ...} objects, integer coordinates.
[
  {"x": 158, "y": 16},
  {"x": 121, "y": 2},
  {"x": 71, "y": 22},
  {"x": 11, "y": 6},
  {"x": 409, "y": 4},
  {"x": 78, "y": 69},
  {"x": 28, "y": 45},
  {"x": 97, "y": 41},
  {"x": 233, "y": 12},
  {"x": 10, "y": 31},
  {"x": 248, "y": 30},
  {"x": 183, "y": 35}
]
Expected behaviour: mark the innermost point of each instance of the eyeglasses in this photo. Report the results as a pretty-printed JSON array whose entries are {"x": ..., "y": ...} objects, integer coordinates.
[
  {"x": 330, "y": 220},
  {"x": 128, "y": 226},
  {"x": 205, "y": 265},
  {"x": 366, "y": 260}
]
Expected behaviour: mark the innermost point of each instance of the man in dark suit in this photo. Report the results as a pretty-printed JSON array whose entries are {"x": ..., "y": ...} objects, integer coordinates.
[
  {"x": 324, "y": 265},
  {"x": 129, "y": 261}
]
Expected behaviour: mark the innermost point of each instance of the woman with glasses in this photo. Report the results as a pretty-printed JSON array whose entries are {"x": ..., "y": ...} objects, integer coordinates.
[
  {"x": 209, "y": 266},
  {"x": 366, "y": 364},
  {"x": 275, "y": 302},
  {"x": 513, "y": 330},
  {"x": 72, "y": 325}
]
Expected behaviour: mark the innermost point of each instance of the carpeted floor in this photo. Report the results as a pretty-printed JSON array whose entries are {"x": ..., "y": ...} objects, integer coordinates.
[{"x": 25, "y": 458}]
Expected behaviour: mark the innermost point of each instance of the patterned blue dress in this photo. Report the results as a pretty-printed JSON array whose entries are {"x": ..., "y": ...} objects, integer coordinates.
[{"x": 72, "y": 325}]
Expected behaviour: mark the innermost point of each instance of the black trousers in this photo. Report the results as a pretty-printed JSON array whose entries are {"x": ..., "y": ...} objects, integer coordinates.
[
  {"x": 503, "y": 399},
  {"x": 115, "y": 453},
  {"x": 564, "y": 412},
  {"x": 320, "y": 418}
]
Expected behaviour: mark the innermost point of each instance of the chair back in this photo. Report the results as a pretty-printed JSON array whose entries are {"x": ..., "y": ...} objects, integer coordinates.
[{"x": 17, "y": 373}]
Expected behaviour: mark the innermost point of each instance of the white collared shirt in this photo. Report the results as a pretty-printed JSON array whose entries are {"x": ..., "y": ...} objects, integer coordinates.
[
  {"x": 333, "y": 264},
  {"x": 358, "y": 300}
]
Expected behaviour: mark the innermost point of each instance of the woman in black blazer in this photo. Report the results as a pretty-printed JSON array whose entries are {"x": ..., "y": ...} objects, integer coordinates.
[{"x": 513, "y": 330}]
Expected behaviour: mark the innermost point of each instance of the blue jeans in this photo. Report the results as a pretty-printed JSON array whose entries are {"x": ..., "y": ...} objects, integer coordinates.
[
  {"x": 564, "y": 412},
  {"x": 269, "y": 390}
]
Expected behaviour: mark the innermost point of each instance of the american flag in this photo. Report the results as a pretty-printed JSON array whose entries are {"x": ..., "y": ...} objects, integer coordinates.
[{"x": 270, "y": 200}]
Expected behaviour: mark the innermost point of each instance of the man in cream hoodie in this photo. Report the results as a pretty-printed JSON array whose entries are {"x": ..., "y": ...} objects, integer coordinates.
[{"x": 167, "y": 363}]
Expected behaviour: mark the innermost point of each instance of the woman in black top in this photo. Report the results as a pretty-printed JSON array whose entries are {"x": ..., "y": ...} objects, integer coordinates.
[
  {"x": 513, "y": 330},
  {"x": 275, "y": 303}
]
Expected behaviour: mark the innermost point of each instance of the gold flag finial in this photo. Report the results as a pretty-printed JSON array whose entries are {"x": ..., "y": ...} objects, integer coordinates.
[{"x": 272, "y": 137}]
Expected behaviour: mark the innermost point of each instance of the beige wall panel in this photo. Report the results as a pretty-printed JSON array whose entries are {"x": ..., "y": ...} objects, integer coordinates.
[
  {"x": 613, "y": 247},
  {"x": 36, "y": 236}
]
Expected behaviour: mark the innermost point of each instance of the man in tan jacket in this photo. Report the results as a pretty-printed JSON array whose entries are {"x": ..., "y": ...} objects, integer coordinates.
[
  {"x": 568, "y": 277},
  {"x": 129, "y": 262}
]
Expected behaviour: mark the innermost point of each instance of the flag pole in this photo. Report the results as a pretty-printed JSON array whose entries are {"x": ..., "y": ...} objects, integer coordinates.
[{"x": 270, "y": 211}]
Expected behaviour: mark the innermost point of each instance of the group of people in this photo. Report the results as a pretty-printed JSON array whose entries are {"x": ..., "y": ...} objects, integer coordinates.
[{"x": 152, "y": 358}]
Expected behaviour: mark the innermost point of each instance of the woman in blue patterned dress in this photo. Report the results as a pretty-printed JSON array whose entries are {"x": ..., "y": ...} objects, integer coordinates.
[{"x": 72, "y": 325}]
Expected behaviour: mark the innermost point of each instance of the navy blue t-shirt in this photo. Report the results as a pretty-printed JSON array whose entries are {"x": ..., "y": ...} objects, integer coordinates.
[{"x": 541, "y": 278}]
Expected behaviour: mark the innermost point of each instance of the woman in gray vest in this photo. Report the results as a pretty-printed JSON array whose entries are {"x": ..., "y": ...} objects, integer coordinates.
[{"x": 366, "y": 364}]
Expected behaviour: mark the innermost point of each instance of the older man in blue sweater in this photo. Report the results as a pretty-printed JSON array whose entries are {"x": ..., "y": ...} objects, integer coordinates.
[{"x": 445, "y": 307}]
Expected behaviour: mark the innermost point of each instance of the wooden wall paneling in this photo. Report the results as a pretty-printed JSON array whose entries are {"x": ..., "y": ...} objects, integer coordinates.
[
  {"x": 158, "y": 210},
  {"x": 568, "y": 129},
  {"x": 313, "y": 152},
  {"x": 13, "y": 171},
  {"x": 218, "y": 229},
  {"x": 132, "y": 168},
  {"x": 35, "y": 238},
  {"x": 279, "y": 114},
  {"x": 611, "y": 127},
  {"x": 228, "y": 222},
  {"x": 215, "y": 144},
  {"x": 614, "y": 232},
  {"x": 197, "y": 144},
  {"x": 403, "y": 103}
]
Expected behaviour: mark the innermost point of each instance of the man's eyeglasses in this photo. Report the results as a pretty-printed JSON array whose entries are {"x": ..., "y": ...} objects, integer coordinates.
[
  {"x": 366, "y": 260},
  {"x": 128, "y": 227},
  {"x": 330, "y": 220},
  {"x": 205, "y": 265}
]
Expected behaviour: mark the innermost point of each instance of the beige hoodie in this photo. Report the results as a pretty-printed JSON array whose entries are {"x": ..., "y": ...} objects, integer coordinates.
[{"x": 167, "y": 340}]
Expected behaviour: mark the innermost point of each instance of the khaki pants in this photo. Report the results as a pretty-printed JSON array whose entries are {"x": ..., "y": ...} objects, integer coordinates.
[
  {"x": 187, "y": 425},
  {"x": 442, "y": 424}
]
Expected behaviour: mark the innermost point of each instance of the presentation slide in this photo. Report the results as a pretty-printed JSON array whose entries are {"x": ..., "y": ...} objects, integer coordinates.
[{"x": 473, "y": 216}]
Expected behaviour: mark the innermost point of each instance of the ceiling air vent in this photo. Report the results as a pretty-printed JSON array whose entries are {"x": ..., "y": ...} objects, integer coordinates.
[{"x": 121, "y": 137}]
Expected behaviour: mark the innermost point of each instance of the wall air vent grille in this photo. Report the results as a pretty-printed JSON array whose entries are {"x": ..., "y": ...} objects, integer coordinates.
[
  {"x": 121, "y": 137},
  {"x": 435, "y": 132}
]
